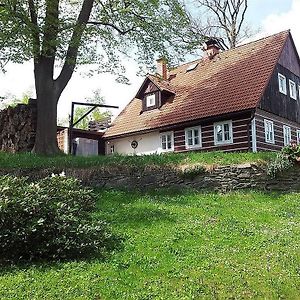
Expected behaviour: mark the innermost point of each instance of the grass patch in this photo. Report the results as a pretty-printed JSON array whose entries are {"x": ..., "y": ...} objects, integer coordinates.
[
  {"x": 31, "y": 161},
  {"x": 184, "y": 245}
]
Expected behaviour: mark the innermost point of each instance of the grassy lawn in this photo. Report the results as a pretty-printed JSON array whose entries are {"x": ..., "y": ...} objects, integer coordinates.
[
  {"x": 184, "y": 245},
  {"x": 29, "y": 161}
]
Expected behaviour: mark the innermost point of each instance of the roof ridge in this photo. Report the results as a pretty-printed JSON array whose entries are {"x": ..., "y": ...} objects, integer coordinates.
[{"x": 232, "y": 49}]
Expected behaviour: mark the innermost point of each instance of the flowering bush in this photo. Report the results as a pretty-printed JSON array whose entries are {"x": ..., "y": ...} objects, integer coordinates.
[
  {"x": 48, "y": 219},
  {"x": 292, "y": 151},
  {"x": 284, "y": 159}
]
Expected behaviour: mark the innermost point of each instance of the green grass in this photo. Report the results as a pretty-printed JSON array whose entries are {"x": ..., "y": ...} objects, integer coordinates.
[
  {"x": 184, "y": 245},
  {"x": 29, "y": 161}
]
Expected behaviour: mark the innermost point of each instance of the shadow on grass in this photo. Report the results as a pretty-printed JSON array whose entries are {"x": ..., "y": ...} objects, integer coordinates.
[{"x": 43, "y": 265}]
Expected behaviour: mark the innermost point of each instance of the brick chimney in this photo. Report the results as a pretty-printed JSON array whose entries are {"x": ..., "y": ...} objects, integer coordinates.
[
  {"x": 161, "y": 68},
  {"x": 211, "y": 48}
]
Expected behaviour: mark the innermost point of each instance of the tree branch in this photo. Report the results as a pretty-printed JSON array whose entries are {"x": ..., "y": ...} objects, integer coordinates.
[
  {"x": 72, "y": 52},
  {"x": 121, "y": 31}
]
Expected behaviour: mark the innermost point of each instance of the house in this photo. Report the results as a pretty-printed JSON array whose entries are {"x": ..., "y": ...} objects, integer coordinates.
[{"x": 243, "y": 99}]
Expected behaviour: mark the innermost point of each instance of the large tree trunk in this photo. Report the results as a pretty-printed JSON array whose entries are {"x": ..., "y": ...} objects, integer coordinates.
[
  {"x": 46, "y": 129},
  {"x": 47, "y": 98}
]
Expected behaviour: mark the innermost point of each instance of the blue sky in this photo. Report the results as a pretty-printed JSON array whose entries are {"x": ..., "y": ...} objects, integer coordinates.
[
  {"x": 270, "y": 16},
  {"x": 259, "y": 9}
]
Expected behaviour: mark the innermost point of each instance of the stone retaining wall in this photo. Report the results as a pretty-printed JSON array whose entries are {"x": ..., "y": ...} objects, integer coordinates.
[{"x": 225, "y": 178}]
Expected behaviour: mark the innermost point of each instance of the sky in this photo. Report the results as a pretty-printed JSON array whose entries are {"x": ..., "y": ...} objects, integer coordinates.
[{"x": 271, "y": 16}]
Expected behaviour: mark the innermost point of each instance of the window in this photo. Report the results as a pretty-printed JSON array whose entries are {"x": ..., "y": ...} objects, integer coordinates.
[
  {"x": 150, "y": 100},
  {"x": 192, "y": 67},
  {"x": 282, "y": 83},
  {"x": 223, "y": 133},
  {"x": 269, "y": 132},
  {"x": 112, "y": 149},
  {"x": 193, "y": 137},
  {"x": 286, "y": 135},
  {"x": 293, "y": 91},
  {"x": 166, "y": 141},
  {"x": 298, "y": 136}
]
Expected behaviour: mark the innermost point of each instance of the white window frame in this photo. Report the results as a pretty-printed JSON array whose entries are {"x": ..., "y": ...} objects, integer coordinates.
[
  {"x": 223, "y": 142},
  {"x": 298, "y": 136},
  {"x": 293, "y": 89},
  {"x": 149, "y": 99},
  {"x": 187, "y": 146},
  {"x": 287, "y": 129},
  {"x": 268, "y": 123},
  {"x": 282, "y": 90},
  {"x": 172, "y": 141}
]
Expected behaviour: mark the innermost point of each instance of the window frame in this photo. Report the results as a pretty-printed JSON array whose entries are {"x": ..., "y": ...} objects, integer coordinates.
[
  {"x": 172, "y": 141},
  {"x": 223, "y": 142},
  {"x": 267, "y": 140},
  {"x": 295, "y": 89},
  {"x": 282, "y": 91},
  {"x": 148, "y": 105},
  {"x": 298, "y": 136},
  {"x": 284, "y": 135},
  {"x": 194, "y": 146}
]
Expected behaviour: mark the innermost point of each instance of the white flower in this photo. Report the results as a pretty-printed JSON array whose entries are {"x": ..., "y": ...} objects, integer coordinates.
[{"x": 62, "y": 174}]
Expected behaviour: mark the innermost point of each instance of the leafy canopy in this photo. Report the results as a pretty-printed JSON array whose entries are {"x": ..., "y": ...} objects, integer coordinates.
[{"x": 116, "y": 28}]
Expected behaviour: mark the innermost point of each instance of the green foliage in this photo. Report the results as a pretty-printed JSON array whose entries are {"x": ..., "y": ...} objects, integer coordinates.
[
  {"x": 183, "y": 245},
  {"x": 280, "y": 164},
  {"x": 96, "y": 115},
  {"x": 284, "y": 160},
  {"x": 48, "y": 219},
  {"x": 292, "y": 151},
  {"x": 140, "y": 28},
  {"x": 32, "y": 161}
]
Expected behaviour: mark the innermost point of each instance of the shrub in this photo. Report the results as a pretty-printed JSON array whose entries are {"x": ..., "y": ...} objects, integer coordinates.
[
  {"x": 292, "y": 151},
  {"x": 48, "y": 219},
  {"x": 281, "y": 163}
]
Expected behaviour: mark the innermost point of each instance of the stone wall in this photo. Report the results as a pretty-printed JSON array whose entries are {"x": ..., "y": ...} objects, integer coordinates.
[
  {"x": 225, "y": 178},
  {"x": 17, "y": 127}
]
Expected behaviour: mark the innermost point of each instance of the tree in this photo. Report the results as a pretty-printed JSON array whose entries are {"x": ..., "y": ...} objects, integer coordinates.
[
  {"x": 52, "y": 32},
  {"x": 226, "y": 21},
  {"x": 96, "y": 114}
]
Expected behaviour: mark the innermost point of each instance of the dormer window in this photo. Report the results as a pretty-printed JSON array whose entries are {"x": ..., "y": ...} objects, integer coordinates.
[{"x": 150, "y": 100}]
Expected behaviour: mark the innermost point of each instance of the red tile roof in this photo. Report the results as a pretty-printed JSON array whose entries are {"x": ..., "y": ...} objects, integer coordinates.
[{"x": 233, "y": 81}]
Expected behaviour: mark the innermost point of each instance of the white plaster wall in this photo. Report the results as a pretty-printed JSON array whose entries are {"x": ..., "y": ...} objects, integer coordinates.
[{"x": 148, "y": 143}]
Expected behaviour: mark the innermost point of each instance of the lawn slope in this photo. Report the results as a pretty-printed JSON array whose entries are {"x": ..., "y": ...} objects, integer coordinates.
[{"x": 180, "y": 246}]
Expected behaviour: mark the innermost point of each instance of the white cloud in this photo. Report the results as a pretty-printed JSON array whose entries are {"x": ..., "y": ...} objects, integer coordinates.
[{"x": 288, "y": 20}]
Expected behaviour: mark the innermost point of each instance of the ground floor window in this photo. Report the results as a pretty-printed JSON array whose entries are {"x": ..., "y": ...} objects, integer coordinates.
[
  {"x": 286, "y": 135},
  {"x": 298, "y": 136},
  {"x": 223, "y": 133},
  {"x": 269, "y": 131},
  {"x": 193, "y": 137},
  {"x": 167, "y": 141}
]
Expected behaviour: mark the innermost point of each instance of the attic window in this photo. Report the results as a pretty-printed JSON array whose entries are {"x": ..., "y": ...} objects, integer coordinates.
[
  {"x": 191, "y": 67},
  {"x": 150, "y": 100}
]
